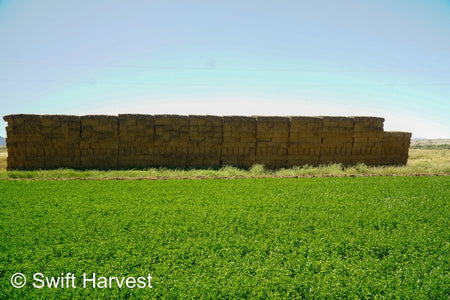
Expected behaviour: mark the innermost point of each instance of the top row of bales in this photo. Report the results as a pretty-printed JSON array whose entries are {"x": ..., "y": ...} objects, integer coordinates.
[{"x": 130, "y": 140}]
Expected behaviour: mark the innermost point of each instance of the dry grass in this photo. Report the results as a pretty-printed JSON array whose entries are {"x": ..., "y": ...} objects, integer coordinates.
[
  {"x": 421, "y": 161},
  {"x": 3, "y": 155}
]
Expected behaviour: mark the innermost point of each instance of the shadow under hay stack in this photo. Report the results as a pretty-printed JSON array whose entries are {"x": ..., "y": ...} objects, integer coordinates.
[{"x": 140, "y": 141}]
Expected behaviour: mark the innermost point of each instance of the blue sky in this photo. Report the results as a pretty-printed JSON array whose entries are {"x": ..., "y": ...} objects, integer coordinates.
[{"x": 349, "y": 57}]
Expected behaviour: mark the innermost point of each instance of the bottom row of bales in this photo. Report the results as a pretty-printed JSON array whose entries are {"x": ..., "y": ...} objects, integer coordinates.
[{"x": 141, "y": 141}]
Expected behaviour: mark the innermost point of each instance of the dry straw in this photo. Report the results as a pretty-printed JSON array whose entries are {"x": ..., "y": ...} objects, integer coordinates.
[{"x": 142, "y": 141}]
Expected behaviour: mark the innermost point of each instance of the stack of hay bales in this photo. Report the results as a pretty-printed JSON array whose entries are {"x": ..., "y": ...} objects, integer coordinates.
[
  {"x": 205, "y": 141},
  {"x": 395, "y": 148},
  {"x": 239, "y": 141},
  {"x": 304, "y": 141},
  {"x": 136, "y": 139},
  {"x": 24, "y": 141},
  {"x": 127, "y": 141},
  {"x": 171, "y": 140},
  {"x": 99, "y": 141},
  {"x": 367, "y": 140},
  {"x": 337, "y": 138},
  {"x": 272, "y": 137},
  {"x": 61, "y": 136}
]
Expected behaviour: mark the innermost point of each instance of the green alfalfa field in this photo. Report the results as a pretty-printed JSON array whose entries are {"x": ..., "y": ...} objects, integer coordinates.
[{"x": 266, "y": 238}]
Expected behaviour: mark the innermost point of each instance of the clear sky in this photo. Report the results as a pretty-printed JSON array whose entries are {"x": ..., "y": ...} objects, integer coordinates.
[{"x": 387, "y": 58}]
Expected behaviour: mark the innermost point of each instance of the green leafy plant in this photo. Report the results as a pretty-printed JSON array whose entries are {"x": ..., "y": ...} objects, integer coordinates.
[{"x": 376, "y": 237}]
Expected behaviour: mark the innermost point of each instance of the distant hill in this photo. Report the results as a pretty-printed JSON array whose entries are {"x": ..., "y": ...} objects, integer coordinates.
[
  {"x": 2, "y": 141},
  {"x": 430, "y": 143}
]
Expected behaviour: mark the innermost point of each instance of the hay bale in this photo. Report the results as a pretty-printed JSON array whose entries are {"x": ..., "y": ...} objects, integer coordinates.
[
  {"x": 368, "y": 125},
  {"x": 239, "y": 141},
  {"x": 205, "y": 141},
  {"x": 367, "y": 141},
  {"x": 136, "y": 140},
  {"x": 24, "y": 142},
  {"x": 337, "y": 140},
  {"x": 239, "y": 129},
  {"x": 337, "y": 126},
  {"x": 272, "y": 128},
  {"x": 304, "y": 140},
  {"x": 395, "y": 148},
  {"x": 171, "y": 140},
  {"x": 61, "y": 141},
  {"x": 51, "y": 141},
  {"x": 272, "y": 134},
  {"x": 305, "y": 127},
  {"x": 99, "y": 145}
]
